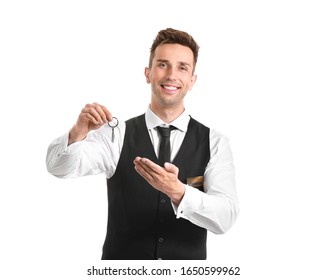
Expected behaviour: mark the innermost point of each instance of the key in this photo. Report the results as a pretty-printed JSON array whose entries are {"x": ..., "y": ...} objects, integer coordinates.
[{"x": 114, "y": 123}]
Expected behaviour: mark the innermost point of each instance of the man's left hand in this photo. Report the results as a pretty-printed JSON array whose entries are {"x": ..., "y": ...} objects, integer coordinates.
[{"x": 164, "y": 179}]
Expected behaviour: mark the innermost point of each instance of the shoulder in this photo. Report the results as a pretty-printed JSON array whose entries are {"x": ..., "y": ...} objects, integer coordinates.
[
  {"x": 219, "y": 145},
  {"x": 136, "y": 120},
  {"x": 218, "y": 140},
  {"x": 217, "y": 136},
  {"x": 214, "y": 134}
]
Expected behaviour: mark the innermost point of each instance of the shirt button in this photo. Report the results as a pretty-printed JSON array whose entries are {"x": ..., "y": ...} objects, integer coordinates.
[
  {"x": 163, "y": 201},
  {"x": 161, "y": 239}
]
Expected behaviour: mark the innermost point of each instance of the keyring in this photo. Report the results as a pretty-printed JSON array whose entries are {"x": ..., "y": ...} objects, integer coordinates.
[{"x": 114, "y": 122}]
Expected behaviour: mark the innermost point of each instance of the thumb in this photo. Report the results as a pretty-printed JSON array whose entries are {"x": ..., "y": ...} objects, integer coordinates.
[{"x": 171, "y": 168}]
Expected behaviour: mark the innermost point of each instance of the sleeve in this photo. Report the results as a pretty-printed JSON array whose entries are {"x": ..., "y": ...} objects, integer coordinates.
[
  {"x": 96, "y": 154},
  {"x": 215, "y": 209}
]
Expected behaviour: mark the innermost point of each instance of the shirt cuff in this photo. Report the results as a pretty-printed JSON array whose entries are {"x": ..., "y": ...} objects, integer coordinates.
[
  {"x": 191, "y": 202},
  {"x": 72, "y": 148},
  {"x": 62, "y": 146}
]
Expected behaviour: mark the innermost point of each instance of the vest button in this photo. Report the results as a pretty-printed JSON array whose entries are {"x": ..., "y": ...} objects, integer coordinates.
[
  {"x": 159, "y": 258},
  {"x": 161, "y": 239},
  {"x": 163, "y": 201}
]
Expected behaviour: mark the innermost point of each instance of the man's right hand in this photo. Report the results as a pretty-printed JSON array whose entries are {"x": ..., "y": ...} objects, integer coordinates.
[{"x": 92, "y": 117}]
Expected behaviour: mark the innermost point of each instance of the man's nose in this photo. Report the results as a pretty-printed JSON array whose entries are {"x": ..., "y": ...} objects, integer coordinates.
[{"x": 171, "y": 73}]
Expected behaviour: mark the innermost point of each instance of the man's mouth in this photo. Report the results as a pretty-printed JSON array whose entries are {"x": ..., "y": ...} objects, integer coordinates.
[{"x": 170, "y": 87}]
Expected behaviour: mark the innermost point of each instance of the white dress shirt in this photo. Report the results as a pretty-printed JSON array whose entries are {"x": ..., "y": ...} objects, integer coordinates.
[{"x": 215, "y": 209}]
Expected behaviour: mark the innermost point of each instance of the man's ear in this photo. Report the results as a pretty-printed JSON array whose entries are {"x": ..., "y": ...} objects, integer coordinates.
[
  {"x": 193, "y": 80},
  {"x": 147, "y": 74}
]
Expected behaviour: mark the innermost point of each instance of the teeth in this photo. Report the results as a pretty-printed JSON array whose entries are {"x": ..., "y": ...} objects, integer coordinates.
[{"x": 170, "y": 87}]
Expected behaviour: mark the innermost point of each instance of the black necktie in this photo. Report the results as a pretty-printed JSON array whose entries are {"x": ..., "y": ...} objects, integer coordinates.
[{"x": 164, "y": 148}]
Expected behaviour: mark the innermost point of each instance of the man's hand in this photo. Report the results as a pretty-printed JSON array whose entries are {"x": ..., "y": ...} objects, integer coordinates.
[
  {"x": 92, "y": 117},
  {"x": 164, "y": 179}
]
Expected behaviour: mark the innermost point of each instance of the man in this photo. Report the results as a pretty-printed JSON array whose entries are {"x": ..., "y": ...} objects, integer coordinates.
[{"x": 158, "y": 208}]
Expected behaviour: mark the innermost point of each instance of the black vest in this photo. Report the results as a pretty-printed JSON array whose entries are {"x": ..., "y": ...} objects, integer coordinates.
[{"x": 141, "y": 221}]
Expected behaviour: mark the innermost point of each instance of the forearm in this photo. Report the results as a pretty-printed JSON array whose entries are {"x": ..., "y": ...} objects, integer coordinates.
[
  {"x": 59, "y": 162},
  {"x": 91, "y": 156},
  {"x": 76, "y": 135},
  {"x": 95, "y": 154}
]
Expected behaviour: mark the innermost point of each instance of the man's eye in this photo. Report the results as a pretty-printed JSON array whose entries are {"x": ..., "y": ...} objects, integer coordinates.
[{"x": 162, "y": 65}]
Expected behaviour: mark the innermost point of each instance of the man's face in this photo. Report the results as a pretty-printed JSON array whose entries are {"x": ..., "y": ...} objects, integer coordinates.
[{"x": 171, "y": 75}]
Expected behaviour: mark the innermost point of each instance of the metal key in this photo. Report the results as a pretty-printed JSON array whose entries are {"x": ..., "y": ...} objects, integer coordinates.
[
  {"x": 113, "y": 135},
  {"x": 113, "y": 123}
]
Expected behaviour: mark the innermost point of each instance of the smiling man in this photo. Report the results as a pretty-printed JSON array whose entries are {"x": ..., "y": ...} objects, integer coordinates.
[{"x": 169, "y": 177}]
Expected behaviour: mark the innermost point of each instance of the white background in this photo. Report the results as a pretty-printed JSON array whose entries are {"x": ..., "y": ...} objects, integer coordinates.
[{"x": 261, "y": 81}]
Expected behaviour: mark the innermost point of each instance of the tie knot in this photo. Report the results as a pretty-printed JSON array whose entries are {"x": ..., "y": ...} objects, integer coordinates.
[{"x": 165, "y": 131}]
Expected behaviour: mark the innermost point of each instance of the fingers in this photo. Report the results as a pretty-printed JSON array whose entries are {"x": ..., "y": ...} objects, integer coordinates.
[
  {"x": 163, "y": 179},
  {"x": 144, "y": 169},
  {"x": 143, "y": 172},
  {"x": 150, "y": 167},
  {"x": 171, "y": 168},
  {"x": 153, "y": 172},
  {"x": 147, "y": 165},
  {"x": 96, "y": 114},
  {"x": 92, "y": 117}
]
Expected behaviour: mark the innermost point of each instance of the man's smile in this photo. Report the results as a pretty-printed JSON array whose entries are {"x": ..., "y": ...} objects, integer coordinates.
[{"x": 170, "y": 87}]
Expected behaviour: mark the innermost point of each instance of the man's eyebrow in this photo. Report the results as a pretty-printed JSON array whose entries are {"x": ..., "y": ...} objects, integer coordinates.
[
  {"x": 162, "y": 60},
  {"x": 185, "y": 63}
]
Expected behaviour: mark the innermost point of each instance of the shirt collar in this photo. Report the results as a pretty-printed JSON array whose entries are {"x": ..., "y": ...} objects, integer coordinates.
[{"x": 152, "y": 120}]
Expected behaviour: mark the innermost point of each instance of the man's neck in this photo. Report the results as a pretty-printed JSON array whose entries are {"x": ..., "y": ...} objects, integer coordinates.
[{"x": 167, "y": 114}]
